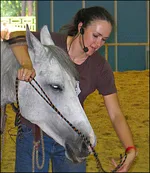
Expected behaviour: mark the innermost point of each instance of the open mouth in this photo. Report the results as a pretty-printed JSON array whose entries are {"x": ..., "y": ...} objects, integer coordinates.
[{"x": 70, "y": 153}]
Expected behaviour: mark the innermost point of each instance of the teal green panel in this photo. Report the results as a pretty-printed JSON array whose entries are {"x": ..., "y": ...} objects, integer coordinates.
[
  {"x": 43, "y": 14},
  {"x": 132, "y": 25},
  {"x": 132, "y": 28},
  {"x": 64, "y": 11},
  {"x": 128, "y": 59},
  {"x": 109, "y": 5}
]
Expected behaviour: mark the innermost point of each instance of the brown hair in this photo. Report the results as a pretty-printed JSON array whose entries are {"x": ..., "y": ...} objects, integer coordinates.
[{"x": 86, "y": 16}]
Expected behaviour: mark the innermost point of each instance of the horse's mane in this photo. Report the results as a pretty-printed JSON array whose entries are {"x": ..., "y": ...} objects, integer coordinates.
[
  {"x": 9, "y": 67},
  {"x": 63, "y": 59}
]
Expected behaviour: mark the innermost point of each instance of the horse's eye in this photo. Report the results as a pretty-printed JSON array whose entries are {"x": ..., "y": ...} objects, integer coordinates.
[{"x": 56, "y": 87}]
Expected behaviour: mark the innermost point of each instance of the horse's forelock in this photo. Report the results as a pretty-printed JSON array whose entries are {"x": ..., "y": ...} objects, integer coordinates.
[{"x": 63, "y": 59}]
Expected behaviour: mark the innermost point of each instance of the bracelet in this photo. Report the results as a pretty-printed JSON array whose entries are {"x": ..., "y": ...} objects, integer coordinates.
[
  {"x": 14, "y": 38},
  {"x": 18, "y": 44},
  {"x": 17, "y": 41},
  {"x": 129, "y": 148}
]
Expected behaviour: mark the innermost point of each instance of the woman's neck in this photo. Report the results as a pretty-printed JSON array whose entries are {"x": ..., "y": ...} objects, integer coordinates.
[{"x": 75, "y": 50}]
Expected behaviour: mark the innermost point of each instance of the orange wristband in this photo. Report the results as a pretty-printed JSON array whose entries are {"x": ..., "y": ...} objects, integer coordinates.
[{"x": 129, "y": 148}]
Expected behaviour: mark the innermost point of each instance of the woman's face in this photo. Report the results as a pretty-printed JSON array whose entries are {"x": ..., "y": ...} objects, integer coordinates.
[{"x": 95, "y": 35}]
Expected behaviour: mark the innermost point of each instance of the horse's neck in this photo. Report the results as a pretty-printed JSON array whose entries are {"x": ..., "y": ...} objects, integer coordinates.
[
  {"x": 9, "y": 67},
  {"x": 8, "y": 60}
]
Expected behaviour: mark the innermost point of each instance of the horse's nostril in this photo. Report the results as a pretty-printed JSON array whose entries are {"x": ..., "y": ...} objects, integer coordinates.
[
  {"x": 84, "y": 149},
  {"x": 84, "y": 146},
  {"x": 71, "y": 154}
]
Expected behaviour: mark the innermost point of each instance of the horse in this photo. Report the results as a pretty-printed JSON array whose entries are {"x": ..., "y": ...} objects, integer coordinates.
[{"x": 58, "y": 77}]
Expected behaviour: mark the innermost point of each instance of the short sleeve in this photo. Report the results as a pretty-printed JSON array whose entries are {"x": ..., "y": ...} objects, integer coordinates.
[{"x": 105, "y": 82}]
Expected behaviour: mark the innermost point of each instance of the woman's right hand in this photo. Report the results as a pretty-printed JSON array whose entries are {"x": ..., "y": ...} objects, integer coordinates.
[
  {"x": 128, "y": 162},
  {"x": 26, "y": 74}
]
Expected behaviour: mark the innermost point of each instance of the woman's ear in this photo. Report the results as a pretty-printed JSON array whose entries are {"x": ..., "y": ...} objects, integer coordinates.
[{"x": 80, "y": 26}]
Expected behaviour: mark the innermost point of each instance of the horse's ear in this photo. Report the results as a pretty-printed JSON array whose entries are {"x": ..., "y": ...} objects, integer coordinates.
[
  {"x": 45, "y": 36},
  {"x": 28, "y": 37},
  {"x": 34, "y": 44}
]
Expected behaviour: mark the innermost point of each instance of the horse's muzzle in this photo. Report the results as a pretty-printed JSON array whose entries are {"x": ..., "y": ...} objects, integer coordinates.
[{"x": 77, "y": 152}]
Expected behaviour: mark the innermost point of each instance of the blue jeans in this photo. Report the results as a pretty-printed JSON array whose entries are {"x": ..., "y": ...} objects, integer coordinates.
[{"x": 53, "y": 152}]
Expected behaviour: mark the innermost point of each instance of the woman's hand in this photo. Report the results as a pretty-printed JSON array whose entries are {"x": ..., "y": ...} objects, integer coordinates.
[
  {"x": 26, "y": 74},
  {"x": 128, "y": 162}
]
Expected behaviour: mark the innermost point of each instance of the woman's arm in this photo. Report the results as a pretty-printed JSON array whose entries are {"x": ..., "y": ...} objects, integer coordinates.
[
  {"x": 121, "y": 127},
  {"x": 26, "y": 72}
]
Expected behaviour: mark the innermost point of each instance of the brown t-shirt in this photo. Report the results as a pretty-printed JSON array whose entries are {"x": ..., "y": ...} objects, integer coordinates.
[{"x": 95, "y": 72}]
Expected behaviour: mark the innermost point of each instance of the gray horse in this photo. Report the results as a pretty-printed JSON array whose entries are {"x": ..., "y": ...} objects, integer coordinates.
[{"x": 57, "y": 75}]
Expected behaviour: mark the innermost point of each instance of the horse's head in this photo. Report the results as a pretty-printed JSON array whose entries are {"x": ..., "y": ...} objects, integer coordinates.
[{"x": 57, "y": 75}]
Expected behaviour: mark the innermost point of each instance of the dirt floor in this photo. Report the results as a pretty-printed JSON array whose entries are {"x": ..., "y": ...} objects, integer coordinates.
[{"x": 133, "y": 91}]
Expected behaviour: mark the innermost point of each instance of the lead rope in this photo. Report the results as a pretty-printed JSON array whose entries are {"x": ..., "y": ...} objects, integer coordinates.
[
  {"x": 3, "y": 129},
  {"x": 99, "y": 166},
  {"x": 35, "y": 153},
  {"x": 18, "y": 114},
  {"x": 36, "y": 144}
]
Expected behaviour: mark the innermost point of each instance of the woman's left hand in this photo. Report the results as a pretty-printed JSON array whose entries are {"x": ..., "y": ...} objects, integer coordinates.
[
  {"x": 128, "y": 162},
  {"x": 26, "y": 74}
]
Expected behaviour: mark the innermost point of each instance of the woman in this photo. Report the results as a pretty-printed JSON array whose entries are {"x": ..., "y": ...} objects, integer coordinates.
[{"x": 89, "y": 30}]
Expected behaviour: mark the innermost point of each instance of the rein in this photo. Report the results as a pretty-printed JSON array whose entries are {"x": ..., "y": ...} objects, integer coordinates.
[{"x": 46, "y": 98}]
